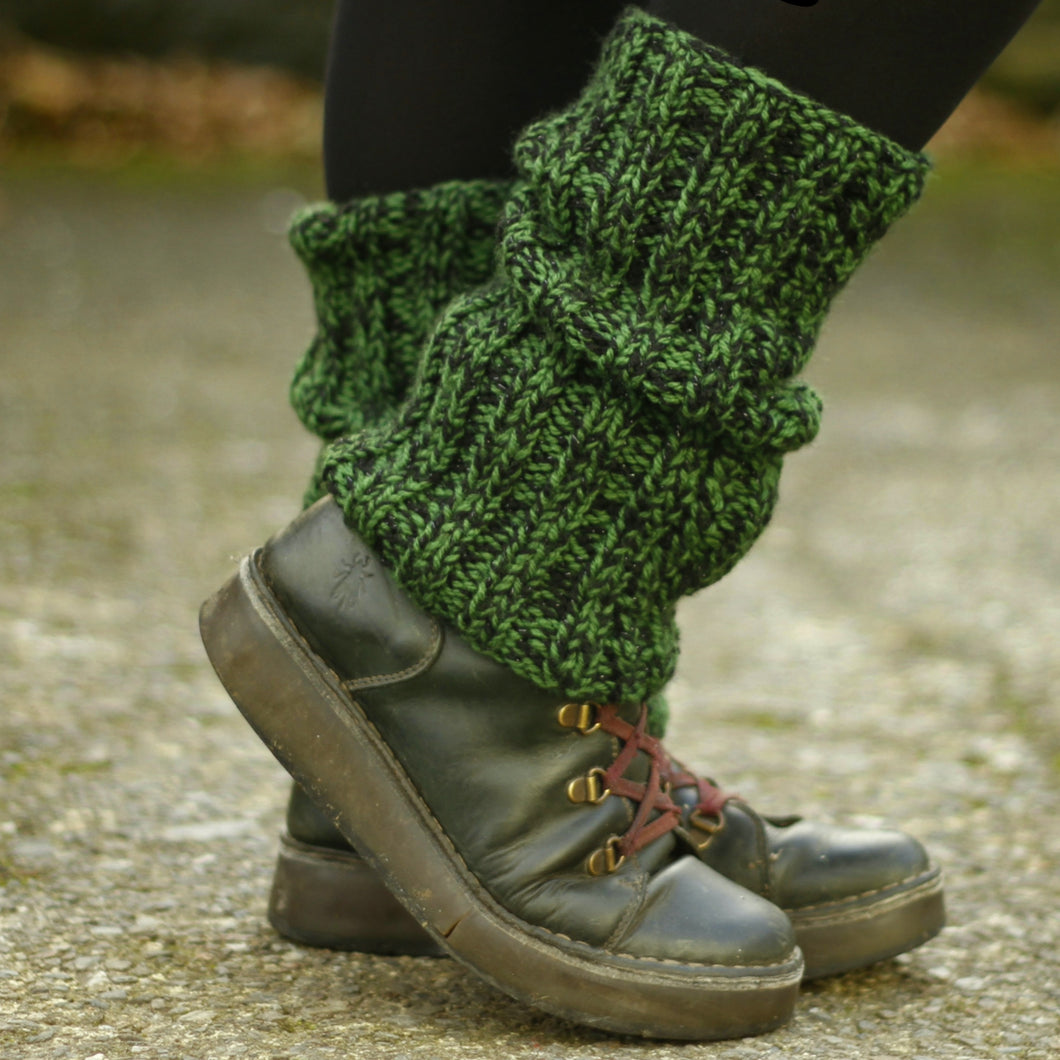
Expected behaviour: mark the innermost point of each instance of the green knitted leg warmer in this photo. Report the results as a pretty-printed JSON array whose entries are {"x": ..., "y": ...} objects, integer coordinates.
[
  {"x": 599, "y": 430},
  {"x": 382, "y": 268}
]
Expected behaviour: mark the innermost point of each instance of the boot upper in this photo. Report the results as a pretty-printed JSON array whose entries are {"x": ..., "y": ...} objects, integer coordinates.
[{"x": 497, "y": 760}]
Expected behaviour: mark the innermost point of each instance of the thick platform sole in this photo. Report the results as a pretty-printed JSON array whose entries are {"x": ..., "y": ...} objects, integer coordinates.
[
  {"x": 842, "y": 936},
  {"x": 317, "y": 731},
  {"x": 332, "y": 898}
]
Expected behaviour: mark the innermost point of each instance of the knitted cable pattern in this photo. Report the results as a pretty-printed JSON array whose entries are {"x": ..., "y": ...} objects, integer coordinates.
[
  {"x": 599, "y": 430},
  {"x": 381, "y": 269}
]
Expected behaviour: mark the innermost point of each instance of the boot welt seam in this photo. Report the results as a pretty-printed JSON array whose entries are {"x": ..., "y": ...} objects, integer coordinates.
[{"x": 869, "y": 904}]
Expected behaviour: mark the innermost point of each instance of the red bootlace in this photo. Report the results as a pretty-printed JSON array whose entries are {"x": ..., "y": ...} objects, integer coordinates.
[
  {"x": 711, "y": 799},
  {"x": 652, "y": 797}
]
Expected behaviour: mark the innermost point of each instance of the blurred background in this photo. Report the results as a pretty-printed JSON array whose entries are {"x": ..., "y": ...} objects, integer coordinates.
[
  {"x": 105, "y": 82},
  {"x": 888, "y": 652}
]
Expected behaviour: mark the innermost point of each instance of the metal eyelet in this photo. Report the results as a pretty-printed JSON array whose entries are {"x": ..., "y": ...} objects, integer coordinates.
[
  {"x": 707, "y": 827},
  {"x": 607, "y": 859},
  {"x": 580, "y": 716},
  {"x": 590, "y": 788},
  {"x": 710, "y": 824}
]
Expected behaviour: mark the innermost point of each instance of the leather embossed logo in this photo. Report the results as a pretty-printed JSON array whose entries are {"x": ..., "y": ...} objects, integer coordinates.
[{"x": 351, "y": 580}]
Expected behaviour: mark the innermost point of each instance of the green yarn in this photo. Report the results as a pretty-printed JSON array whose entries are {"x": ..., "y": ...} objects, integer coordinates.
[
  {"x": 658, "y": 714},
  {"x": 382, "y": 268},
  {"x": 599, "y": 430}
]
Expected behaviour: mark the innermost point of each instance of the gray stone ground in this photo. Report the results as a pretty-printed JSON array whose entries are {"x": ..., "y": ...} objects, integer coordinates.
[{"x": 890, "y": 651}]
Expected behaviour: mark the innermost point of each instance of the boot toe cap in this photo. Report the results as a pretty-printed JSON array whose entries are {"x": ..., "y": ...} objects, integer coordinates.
[
  {"x": 691, "y": 914},
  {"x": 816, "y": 864}
]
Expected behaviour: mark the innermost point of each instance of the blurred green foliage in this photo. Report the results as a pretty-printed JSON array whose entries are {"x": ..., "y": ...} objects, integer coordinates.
[
  {"x": 289, "y": 33},
  {"x": 1029, "y": 69},
  {"x": 293, "y": 34}
]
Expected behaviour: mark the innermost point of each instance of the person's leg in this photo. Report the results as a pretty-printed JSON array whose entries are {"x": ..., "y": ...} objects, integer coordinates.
[
  {"x": 898, "y": 66},
  {"x": 423, "y": 101},
  {"x": 462, "y": 78},
  {"x": 425, "y": 91},
  {"x": 763, "y": 34},
  {"x": 422, "y": 91},
  {"x": 600, "y": 430}
]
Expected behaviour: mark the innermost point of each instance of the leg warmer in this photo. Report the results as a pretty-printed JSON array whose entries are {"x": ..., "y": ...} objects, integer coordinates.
[
  {"x": 599, "y": 430},
  {"x": 382, "y": 268}
]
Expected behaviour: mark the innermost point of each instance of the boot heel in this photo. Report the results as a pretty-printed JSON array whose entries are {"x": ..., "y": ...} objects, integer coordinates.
[
  {"x": 333, "y": 898},
  {"x": 304, "y": 715}
]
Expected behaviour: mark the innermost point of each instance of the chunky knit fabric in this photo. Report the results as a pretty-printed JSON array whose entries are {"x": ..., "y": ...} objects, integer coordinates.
[
  {"x": 600, "y": 430},
  {"x": 382, "y": 268}
]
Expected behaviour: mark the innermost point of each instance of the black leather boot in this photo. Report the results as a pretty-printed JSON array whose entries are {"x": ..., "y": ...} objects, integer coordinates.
[
  {"x": 854, "y": 896},
  {"x": 482, "y": 801}
]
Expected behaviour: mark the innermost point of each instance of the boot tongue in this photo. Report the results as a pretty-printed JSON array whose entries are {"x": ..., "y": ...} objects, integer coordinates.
[{"x": 700, "y": 801}]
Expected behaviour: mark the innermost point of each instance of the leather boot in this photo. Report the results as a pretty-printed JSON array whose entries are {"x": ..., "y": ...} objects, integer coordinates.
[
  {"x": 472, "y": 793},
  {"x": 854, "y": 896}
]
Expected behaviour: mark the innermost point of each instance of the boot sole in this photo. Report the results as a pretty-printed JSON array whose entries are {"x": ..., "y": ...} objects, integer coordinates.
[
  {"x": 332, "y": 898},
  {"x": 841, "y": 936},
  {"x": 320, "y": 735}
]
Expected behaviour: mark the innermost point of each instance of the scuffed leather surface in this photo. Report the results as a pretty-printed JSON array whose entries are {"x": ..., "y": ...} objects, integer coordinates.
[
  {"x": 343, "y": 601},
  {"x": 798, "y": 864},
  {"x": 486, "y": 750},
  {"x": 818, "y": 864}
]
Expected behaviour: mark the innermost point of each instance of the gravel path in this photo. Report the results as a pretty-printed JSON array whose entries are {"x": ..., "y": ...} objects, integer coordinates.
[{"x": 890, "y": 651}]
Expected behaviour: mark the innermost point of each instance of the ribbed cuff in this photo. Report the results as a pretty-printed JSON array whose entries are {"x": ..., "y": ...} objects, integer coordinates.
[
  {"x": 695, "y": 219},
  {"x": 382, "y": 268}
]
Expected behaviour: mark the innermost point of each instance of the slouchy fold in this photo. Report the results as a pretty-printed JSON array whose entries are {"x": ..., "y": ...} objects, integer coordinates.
[
  {"x": 598, "y": 429},
  {"x": 382, "y": 268}
]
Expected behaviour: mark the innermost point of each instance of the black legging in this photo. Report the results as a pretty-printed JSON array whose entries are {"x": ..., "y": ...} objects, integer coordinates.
[{"x": 421, "y": 91}]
